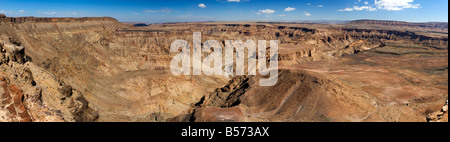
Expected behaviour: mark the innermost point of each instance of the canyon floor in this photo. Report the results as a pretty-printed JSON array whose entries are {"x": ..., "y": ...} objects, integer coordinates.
[{"x": 99, "y": 69}]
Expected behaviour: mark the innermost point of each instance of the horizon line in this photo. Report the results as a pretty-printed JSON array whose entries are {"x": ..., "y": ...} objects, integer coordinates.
[{"x": 232, "y": 20}]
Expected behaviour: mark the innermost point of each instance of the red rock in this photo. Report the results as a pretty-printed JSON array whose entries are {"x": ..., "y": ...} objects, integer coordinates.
[{"x": 13, "y": 88}]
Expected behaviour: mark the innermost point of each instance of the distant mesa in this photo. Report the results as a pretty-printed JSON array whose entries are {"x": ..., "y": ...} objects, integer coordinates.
[
  {"x": 136, "y": 24},
  {"x": 435, "y": 26},
  {"x": 19, "y": 20},
  {"x": 140, "y": 25}
]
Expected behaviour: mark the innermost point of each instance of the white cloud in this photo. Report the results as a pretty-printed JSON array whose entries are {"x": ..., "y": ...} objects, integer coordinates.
[
  {"x": 320, "y": 6},
  {"x": 367, "y": 8},
  {"x": 289, "y": 9},
  {"x": 58, "y": 13},
  {"x": 47, "y": 13},
  {"x": 266, "y": 11},
  {"x": 309, "y": 4},
  {"x": 346, "y": 9},
  {"x": 395, "y": 5},
  {"x": 389, "y": 5},
  {"x": 306, "y": 14},
  {"x": 20, "y": 12},
  {"x": 282, "y": 15},
  {"x": 359, "y": 8},
  {"x": 201, "y": 5}
]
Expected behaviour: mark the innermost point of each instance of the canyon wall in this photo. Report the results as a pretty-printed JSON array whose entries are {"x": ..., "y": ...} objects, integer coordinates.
[{"x": 98, "y": 69}]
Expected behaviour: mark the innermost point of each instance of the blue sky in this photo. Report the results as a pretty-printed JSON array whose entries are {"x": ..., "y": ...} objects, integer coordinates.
[{"x": 157, "y": 11}]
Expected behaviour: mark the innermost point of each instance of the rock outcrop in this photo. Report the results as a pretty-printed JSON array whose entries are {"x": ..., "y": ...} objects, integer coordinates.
[
  {"x": 441, "y": 116},
  {"x": 299, "y": 96},
  {"x": 32, "y": 94}
]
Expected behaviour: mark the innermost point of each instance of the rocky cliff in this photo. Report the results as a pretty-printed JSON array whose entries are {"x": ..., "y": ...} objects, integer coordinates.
[{"x": 32, "y": 94}]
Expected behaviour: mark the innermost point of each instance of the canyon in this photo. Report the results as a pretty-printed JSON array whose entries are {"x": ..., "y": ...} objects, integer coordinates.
[{"x": 99, "y": 69}]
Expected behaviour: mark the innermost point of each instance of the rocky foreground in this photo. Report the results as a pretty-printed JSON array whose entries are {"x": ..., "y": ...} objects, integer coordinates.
[{"x": 98, "y": 69}]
